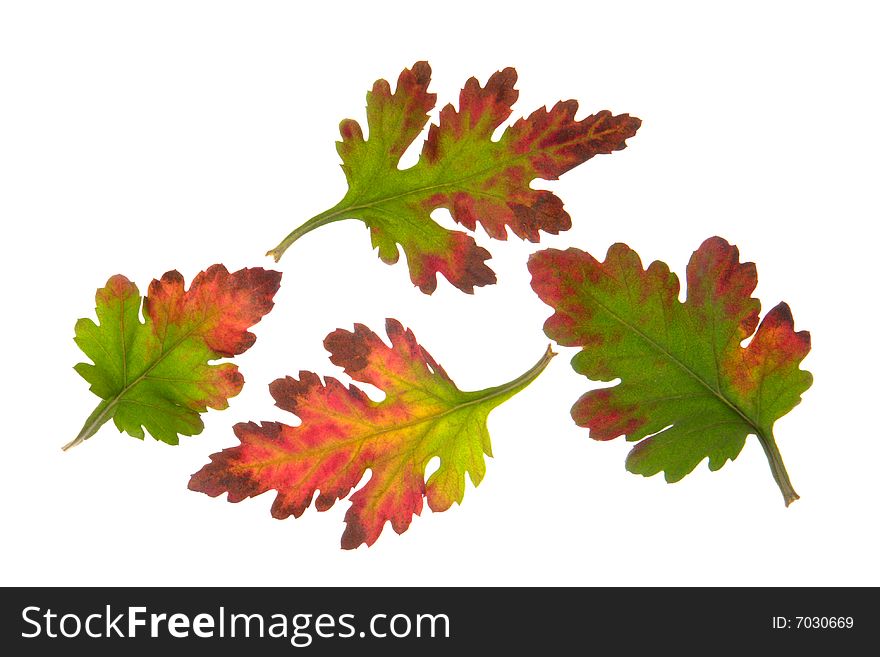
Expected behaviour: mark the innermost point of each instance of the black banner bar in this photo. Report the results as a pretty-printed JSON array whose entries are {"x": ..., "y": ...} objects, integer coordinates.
[{"x": 429, "y": 621}]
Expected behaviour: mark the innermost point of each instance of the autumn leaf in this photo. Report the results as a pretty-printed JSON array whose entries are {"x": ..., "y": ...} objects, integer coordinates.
[
  {"x": 344, "y": 433},
  {"x": 155, "y": 374},
  {"x": 688, "y": 390},
  {"x": 461, "y": 169}
]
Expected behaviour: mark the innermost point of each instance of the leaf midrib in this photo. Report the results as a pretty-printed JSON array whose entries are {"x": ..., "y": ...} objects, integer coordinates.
[
  {"x": 433, "y": 419},
  {"x": 695, "y": 375},
  {"x": 165, "y": 353},
  {"x": 496, "y": 166},
  {"x": 338, "y": 213},
  {"x": 492, "y": 393}
]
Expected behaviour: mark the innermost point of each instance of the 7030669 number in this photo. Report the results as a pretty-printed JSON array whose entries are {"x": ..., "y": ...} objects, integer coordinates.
[
  {"x": 813, "y": 622},
  {"x": 824, "y": 622}
]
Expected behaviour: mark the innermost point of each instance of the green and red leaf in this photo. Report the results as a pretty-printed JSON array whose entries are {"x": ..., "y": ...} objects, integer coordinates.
[
  {"x": 155, "y": 374},
  {"x": 688, "y": 390},
  {"x": 343, "y": 433},
  {"x": 461, "y": 169}
]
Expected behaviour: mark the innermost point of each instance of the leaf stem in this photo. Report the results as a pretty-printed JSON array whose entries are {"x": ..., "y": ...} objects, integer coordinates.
[
  {"x": 102, "y": 413},
  {"x": 520, "y": 382},
  {"x": 777, "y": 467},
  {"x": 326, "y": 217}
]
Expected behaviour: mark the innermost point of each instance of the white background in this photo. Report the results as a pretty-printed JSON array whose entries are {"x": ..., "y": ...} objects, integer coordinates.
[{"x": 141, "y": 137}]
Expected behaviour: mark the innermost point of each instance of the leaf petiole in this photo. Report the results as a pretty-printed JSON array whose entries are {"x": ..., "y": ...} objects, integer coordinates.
[
  {"x": 519, "y": 383},
  {"x": 777, "y": 467},
  {"x": 326, "y": 217},
  {"x": 102, "y": 413}
]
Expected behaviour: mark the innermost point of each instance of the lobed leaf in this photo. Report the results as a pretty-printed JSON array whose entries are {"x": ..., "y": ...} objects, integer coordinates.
[
  {"x": 461, "y": 169},
  {"x": 344, "y": 433},
  {"x": 155, "y": 375},
  {"x": 688, "y": 390}
]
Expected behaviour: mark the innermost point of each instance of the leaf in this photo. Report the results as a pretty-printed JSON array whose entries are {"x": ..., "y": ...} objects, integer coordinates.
[
  {"x": 688, "y": 390},
  {"x": 344, "y": 433},
  {"x": 154, "y": 374},
  {"x": 461, "y": 169}
]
